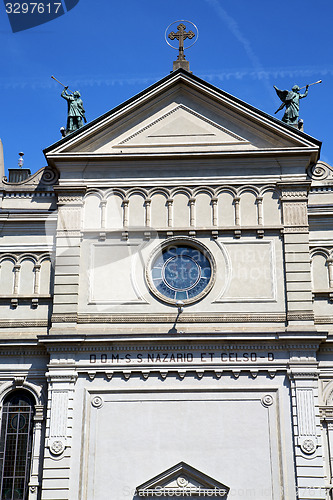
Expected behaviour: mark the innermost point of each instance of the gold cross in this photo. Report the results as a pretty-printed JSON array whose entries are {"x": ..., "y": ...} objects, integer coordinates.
[{"x": 181, "y": 35}]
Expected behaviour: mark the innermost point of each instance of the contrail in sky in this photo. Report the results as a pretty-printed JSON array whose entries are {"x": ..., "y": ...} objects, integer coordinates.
[
  {"x": 84, "y": 81},
  {"x": 235, "y": 30}
]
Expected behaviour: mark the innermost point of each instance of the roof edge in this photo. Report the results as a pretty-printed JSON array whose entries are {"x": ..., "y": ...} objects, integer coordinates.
[{"x": 200, "y": 81}]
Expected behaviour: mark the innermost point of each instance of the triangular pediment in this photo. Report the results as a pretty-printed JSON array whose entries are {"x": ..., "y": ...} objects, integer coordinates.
[
  {"x": 181, "y": 126},
  {"x": 182, "y": 114},
  {"x": 182, "y": 480}
]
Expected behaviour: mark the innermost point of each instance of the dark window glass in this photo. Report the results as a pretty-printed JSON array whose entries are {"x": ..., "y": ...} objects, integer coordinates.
[{"x": 15, "y": 445}]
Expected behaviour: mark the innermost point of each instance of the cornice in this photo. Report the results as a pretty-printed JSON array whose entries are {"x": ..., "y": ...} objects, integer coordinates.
[
  {"x": 38, "y": 323},
  {"x": 169, "y": 318},
  {"x": 77, "y": 156},
  {"x": 171, "y": 81},
  {"x": 92, "y": 343},
  {"x": 19, "y": 350}
]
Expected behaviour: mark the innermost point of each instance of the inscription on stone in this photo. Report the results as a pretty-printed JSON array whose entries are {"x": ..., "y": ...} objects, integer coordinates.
[{"x": 208, "y": 357}]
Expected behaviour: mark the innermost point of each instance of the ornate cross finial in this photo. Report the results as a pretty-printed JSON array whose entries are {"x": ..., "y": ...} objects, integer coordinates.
[{"x": 181, "y": 35}]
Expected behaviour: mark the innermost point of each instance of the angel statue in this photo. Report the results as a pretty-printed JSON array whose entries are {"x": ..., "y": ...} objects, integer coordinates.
[{"x": 290, "y": 100}]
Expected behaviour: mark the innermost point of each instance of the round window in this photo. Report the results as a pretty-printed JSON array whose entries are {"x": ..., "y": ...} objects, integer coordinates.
[{"x": 181, "y": 270}]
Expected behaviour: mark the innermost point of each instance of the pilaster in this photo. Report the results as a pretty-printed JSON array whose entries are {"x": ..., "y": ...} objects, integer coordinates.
[
  {"x": 296, "y": 252},
  {"x": 309, "y": 462},
  {"x": 35, "y": 483},
  {"x": 67, "y": 261},
  {"x": 58, "y": 442}
]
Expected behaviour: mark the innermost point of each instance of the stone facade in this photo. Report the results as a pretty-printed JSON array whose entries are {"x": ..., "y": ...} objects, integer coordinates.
[{"x": 148, "y": 383}]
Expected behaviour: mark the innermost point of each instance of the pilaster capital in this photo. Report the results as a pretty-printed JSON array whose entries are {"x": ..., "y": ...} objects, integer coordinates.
[
  {"x": 61, "y": 376},
  {"x": 295, "y": 374},
  {"x": 39, "y": 413},
  {"x": 294, "y": 191},
  {"x": 70, "y": 196}
]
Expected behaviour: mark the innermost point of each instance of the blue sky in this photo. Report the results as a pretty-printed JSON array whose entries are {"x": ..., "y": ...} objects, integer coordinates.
[{"x": 111, "y": 50}]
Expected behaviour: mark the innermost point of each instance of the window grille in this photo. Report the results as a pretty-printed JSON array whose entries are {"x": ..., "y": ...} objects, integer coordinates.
[{"x": 15, "y": 446}]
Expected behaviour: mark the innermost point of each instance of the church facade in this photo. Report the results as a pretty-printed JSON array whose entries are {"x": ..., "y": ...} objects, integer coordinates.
[{"x": 166, "y": 287}]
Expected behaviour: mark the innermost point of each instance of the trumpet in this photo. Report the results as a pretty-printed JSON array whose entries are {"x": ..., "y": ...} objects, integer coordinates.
[{"x": 319, "y": 81}]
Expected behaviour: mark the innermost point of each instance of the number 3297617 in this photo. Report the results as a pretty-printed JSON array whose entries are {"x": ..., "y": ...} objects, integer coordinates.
[{"x": 33, "y": 8}]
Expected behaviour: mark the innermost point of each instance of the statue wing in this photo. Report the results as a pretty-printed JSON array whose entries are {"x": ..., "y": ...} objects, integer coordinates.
[{"x": 283, "y": 94}]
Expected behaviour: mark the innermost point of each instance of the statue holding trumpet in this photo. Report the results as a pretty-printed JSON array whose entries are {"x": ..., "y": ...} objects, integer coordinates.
[
  {"x": 290, "y": 99},
  {"x": 76, "y": 113}
]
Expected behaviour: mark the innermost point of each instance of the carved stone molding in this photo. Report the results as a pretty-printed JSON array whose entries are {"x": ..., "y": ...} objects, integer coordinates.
[
  {"x": 61, "y": 377},
  {"x": 295, "y": 213},
  {"x": 297, "y": 193},
  {"x": 296, "y": 229},
  {"x": 326, "y": 412},
  {"x": 300, "y": 316},
  {"x": 190, "y": 343},
  {"x": 70, "y": 196},
  {"x": 39, "y": 413},
  {"x": 23, "y": 324},
  {"x": 303, "y": 375},
  {"x": 323, "y": 320},
  {"x": 50, "y": 176},
  {"x": 209, "y": 372},
  {"x": 19, "y": 351},
  {"x": 66, "y": 233},
  {"x": 69, "y": 218},
  {"x": 64, "y": 318},
  {"x": 306, "y": 423},
  {"x": 167, "y": 318},
  {"x": 320, "y": 171},
  {"x": 19, "y": 381}
]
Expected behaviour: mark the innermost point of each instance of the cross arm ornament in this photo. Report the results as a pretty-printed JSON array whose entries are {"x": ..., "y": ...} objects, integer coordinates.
[{"x": 181, "y": 35}]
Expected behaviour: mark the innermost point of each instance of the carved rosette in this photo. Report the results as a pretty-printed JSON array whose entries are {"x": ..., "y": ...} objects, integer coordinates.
[
  {"x": 57, "y": 446},
  {"x": 97, "y": 402},
  {"x": 267, "y": 400},
  {"x": 182, "y": 481},
  {"x": 308, "y": 445}
]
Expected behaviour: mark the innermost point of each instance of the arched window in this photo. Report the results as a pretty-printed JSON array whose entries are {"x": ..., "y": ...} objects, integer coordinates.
[{"x": 15, "y": 445}]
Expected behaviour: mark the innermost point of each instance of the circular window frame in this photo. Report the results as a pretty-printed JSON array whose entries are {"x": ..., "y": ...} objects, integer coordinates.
[{"x": 175, "y": 241}]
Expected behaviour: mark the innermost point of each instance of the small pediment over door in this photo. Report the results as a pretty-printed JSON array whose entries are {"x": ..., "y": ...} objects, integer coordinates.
[{"x": 182, "y": 481}]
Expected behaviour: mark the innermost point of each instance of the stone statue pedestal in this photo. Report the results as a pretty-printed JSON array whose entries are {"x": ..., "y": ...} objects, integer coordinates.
[{"x": 181, "y": 64}]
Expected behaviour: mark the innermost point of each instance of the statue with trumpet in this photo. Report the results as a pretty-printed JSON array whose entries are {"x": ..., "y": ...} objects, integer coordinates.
[
  {"x": 290, "y": 100},
  {"x": 76, "y": 113}
]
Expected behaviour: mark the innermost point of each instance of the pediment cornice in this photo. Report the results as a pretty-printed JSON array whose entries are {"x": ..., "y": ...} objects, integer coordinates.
[
  {"x": 182, "y": 480},
  {"x": 274, "y": 136}
]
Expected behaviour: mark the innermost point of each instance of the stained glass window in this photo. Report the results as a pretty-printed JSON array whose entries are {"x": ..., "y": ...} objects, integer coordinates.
[
  {"x": 181, "y": 271},
  {"x": 15, "y": 445}
]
